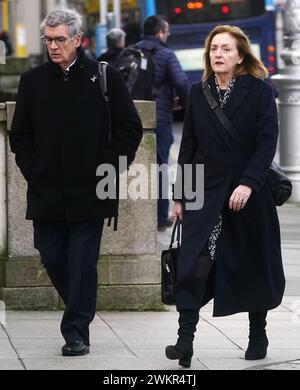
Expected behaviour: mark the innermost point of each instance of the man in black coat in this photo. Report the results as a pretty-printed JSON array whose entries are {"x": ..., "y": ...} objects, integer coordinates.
[{"x": 60, "y": 136}]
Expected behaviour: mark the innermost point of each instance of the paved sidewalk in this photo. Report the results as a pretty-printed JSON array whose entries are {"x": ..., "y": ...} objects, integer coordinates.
[{"x": 136, "y": 341}]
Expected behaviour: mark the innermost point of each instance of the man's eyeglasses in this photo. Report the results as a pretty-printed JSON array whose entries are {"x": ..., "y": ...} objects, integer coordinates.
[{"x": 59, "y": 41}]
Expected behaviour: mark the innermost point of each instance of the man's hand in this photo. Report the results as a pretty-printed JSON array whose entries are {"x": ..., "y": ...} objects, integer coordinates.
[
  {"x": 177, "y": 211},
  {"x": 239, "y": 197}
]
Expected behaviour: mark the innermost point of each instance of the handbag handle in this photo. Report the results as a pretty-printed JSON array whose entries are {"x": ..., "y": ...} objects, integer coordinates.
[{"x": 176, "y": 230}]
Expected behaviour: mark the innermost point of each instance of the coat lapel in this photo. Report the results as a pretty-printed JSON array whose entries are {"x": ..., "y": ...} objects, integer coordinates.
[
  {"x": 219, "y": 129},
  {"x": 238, "y": 95}
]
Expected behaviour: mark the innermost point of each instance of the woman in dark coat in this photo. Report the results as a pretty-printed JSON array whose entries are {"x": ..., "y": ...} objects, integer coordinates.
[{"x": 231, "y": 246}]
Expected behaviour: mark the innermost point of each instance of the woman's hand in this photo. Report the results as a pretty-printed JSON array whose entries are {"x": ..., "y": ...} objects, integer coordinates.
[
  {"x": 177, "y": 211},
  {"x": 239, "y": 197}
]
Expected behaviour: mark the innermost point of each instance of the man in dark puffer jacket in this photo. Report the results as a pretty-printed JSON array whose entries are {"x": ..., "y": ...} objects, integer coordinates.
[{"x": 171, "y": 85}]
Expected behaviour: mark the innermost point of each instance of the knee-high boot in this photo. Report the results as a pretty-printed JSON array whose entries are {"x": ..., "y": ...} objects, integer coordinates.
[
  {"x": 258, "y": 341},
  {"x": 183, "y": 349}
]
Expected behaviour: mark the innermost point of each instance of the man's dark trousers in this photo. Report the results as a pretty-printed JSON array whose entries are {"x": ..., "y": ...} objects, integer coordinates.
[
  {"x": 69, "y": 252},
  {"x": 164, "y": 140}
]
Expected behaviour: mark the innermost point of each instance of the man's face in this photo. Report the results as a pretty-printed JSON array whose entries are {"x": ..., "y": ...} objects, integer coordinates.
[
  {"x": 63, "y": 50},
  {"x": 164, "y": 33},
  {"x": 122, "y": 43}
]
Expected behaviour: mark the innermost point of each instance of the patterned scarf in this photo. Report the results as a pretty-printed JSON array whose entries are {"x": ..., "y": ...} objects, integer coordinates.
[{"x": 223, "y": 99}]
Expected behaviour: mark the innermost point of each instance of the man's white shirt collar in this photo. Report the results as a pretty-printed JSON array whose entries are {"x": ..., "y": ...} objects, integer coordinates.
[{"x": 68, "y": 68}]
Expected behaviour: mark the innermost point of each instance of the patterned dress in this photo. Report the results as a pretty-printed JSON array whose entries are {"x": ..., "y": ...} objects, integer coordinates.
[{"x": 212, "y": 241}]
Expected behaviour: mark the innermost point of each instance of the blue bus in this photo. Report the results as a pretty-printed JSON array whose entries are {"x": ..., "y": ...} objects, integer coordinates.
[{"x": 191, "y": 21}]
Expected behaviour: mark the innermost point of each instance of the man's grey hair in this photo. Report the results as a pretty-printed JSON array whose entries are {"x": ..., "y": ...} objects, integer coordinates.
[
  {"x": 59, "y": 16},
  {"x": 114, "y": 37}
]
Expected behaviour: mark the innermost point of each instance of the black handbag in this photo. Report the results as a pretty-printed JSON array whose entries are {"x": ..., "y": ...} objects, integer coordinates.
[
  {"x": 280, "y": 185},
  {"x": 169, "y": 266}
]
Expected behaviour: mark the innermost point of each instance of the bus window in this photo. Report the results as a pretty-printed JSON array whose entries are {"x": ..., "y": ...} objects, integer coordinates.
[
  {"x": 181, "y": 12},
  {"x": 191, "y": 22}
]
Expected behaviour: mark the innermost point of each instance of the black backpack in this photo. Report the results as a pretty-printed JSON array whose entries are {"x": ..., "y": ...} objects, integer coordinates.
[{"x": 138, "y": 69}]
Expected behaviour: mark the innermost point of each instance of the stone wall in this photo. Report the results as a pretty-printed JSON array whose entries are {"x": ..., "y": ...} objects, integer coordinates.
[{"x": 129, "y": 269}]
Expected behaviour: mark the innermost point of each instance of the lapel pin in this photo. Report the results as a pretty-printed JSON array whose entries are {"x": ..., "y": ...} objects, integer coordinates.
[{"x": 94, "y": 78}]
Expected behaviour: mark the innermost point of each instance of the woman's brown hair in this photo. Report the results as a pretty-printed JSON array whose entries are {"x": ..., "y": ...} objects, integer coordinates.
[{"x": 251, "y": 65}]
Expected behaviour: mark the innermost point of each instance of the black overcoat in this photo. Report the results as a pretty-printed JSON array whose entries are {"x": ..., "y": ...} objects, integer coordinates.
[
  {"x": 60, "y": 136},
  {"x": 248, "y": 273}
]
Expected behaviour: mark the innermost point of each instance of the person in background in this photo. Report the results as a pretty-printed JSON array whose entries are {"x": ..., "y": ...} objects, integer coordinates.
[
  {"x": 115, "y": 42},
  {"x": 5, "y": 38},
  {"x": 172, "y": 88}
]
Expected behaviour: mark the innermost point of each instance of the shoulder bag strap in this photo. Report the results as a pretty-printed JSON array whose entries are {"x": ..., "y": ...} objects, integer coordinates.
[
  {"x": 233, "y": 132},
  {"x": 103, "y": 86},
  {"x": 104, "y": 91}
]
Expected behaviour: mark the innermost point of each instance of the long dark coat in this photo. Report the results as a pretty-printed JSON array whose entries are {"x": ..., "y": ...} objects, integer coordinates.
[
  {"x": 248, "y": 273},
  {"x": 60, "y": 136}
]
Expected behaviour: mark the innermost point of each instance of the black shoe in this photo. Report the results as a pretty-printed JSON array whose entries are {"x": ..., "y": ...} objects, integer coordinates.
[
  {"x": 257, "y": 348},
  {"x": 182, "y": 352},
  {"x": 75, "y": 348},
  {"x": 163, "y": 226}
]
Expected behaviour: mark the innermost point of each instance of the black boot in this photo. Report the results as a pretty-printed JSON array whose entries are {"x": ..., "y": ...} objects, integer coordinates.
[
  {"x": 258, "y": 341},
  {"x": 183, "y": 349}
]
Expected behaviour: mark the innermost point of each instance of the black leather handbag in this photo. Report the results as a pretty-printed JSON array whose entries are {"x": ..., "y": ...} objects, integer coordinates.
[
  {"x": 280, "y": 185},
  {"x": 169, "y": 266}
]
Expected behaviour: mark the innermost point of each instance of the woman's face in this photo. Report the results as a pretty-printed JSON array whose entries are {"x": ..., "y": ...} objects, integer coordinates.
[{"x": 224, "y": 55}]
